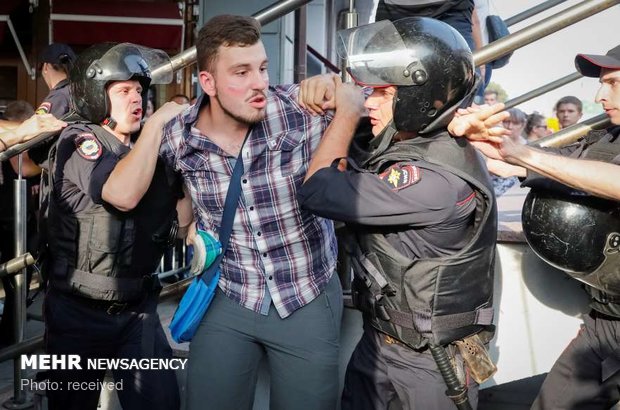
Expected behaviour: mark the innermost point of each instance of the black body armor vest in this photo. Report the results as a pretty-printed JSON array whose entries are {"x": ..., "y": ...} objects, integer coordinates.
[
  {"x": 436, "y": 300},
  {"x": 104, "y": 254}
]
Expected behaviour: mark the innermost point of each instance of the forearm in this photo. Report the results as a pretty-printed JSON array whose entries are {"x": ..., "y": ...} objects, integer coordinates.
[
  {"x": 9, "y": 137},
  {"x": 597, "y": 178},
  {"x": 335, "y": 142},
  {"x": 132, "y": 176},
  {"x": 476, "y": 30},
  {"x": 504, "y": 169}
]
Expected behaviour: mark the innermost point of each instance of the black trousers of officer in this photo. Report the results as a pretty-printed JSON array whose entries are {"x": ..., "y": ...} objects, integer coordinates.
[
  {"x": 77, "y": 326},
  {"x": 382, "y": 370},
  {"x": 586, "y": 376}
]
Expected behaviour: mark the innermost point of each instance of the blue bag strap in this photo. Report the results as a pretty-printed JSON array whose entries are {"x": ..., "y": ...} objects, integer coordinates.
[{"x": 228, "y": 216}]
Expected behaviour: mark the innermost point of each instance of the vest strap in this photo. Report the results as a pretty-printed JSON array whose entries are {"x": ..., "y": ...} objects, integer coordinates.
[
  {"x": 483, "y": 316},
  {"x": 421, "y": 322},
  {"x": 96, "y": 286},
  {"x": 92, "y": 280}
]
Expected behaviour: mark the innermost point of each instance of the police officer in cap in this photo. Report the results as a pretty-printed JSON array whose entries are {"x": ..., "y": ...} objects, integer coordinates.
[
  {"x": 55, "y": 63},
  {"x": 421, "y": 213},
  {"x": 571, "y": 219},
  {"x": 104, "y": 245}
]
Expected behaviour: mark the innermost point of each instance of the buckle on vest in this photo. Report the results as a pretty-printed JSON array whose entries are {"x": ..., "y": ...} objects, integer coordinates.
[
  {"x": 380, "y": 310},
  {"x": 116, "y": 308}
]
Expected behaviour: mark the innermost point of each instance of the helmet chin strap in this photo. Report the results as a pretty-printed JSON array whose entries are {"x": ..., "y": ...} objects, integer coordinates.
[{"x": 110, "y": 122}]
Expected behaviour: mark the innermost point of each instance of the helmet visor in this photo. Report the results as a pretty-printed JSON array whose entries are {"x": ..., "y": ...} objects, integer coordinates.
[
  {"x": 377, "y": 56},
  {"x": 126, "y": 60}
]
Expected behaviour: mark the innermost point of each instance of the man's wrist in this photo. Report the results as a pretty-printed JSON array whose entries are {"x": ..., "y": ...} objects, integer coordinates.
[{"x": 10, "y": 138}]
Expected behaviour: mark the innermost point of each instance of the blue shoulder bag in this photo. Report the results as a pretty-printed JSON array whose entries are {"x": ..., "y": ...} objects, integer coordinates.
[{"x": 199, "y": 294}]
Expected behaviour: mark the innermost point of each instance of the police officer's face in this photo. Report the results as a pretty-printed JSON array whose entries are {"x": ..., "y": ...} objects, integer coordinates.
[
  {"x": 608, "y": 94},
  {"x": 568, "y": 114},
  {"x": 379, "y": 105},
  {"x": 126, "y": 105},
  {"x": 238, "y": 82}
]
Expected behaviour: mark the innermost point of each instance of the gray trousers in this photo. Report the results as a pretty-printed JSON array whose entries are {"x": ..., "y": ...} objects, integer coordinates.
[
  {"x": 382, "y": 371},
  {"x": 301, "y": 350},
  {"x": 586, "y": 376}
]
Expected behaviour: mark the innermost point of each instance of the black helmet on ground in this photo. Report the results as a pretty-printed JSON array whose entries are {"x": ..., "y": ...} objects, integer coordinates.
[
  {"x": 102, "y": 64},
  {"x": 577, "y": 233},
  {"x": 427, "y": 60}
]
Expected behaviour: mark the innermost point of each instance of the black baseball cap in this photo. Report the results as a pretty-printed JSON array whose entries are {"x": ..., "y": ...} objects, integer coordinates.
[
  {"x": 57, "y": 53},
  {"x": 590, "y": 64}
]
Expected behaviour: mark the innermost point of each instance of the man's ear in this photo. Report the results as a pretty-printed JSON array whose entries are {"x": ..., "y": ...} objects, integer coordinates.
[{"x": 207, "y": 83}]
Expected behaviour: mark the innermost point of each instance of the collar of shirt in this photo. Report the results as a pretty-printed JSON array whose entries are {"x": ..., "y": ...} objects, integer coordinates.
[
  {"x": 193, "y": 139},
  {"x": 62, "y": 83}
]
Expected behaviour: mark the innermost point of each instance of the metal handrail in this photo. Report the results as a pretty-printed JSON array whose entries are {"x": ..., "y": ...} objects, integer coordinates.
[
  {"x": 571, "y": 134},
  {"x": 542, "y": 90},
  {"x": 529, "y": 34},
  {"x": 264, "y": 16},
  {"x": 517, "y": 18}
]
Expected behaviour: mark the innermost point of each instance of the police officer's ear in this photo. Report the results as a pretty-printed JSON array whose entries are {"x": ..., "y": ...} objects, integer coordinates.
[{"x": 207, "y": 82}]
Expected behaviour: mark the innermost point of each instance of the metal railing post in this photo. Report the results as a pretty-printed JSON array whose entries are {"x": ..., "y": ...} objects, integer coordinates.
[
  {"x": 19, "y": 399},
  {"x": 299, "y": 45}
]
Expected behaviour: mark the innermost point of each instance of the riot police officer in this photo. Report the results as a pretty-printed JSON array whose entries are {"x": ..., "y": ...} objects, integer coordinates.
[
  {"x": 102, "y": 297},
  {"x": 581, "y": 235},
  {"x": 421, "y": 212}
]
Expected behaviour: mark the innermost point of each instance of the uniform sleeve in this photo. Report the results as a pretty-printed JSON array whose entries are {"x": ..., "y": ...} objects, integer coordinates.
[
  {"x": 82, "y": 167},
  {"x": 404, "y": 194},
  {"x": 55, "y": 103}
]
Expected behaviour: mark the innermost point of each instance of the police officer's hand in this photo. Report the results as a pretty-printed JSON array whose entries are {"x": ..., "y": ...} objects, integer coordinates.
[
  {"x": 317, "y": 94},
  {"x": 513, "y": 151},
  {"x": 507, "y": 149},
  {"x": 480, "y": 123},
  {"x": 38, "y": 124}
]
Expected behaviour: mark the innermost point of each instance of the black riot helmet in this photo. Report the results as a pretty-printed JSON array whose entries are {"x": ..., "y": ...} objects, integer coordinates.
[
  {"x": 577, "y": 233},
  {"x": 104, "y": 63},
  {"x": 427, "y": 60}
]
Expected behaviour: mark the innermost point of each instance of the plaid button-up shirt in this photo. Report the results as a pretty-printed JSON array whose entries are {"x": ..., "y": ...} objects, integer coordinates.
[{"x": 277, "y": 252}]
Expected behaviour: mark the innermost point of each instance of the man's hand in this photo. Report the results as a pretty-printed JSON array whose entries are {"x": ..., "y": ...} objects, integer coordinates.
[
  {"x": 317, "y": 94},
  {"x": 480, "y": 123},
  {"x": 38, "y": 124},
  {"x": 191, "y": 234},
  {"x": 349, "y": 105},
  {"x": 165, "y": 113},
  {"x": 349, "y": 100}
]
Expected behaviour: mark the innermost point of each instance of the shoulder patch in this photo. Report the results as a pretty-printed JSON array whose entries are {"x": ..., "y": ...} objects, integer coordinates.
[
  {"x": 44, "y": 108},
  {"x": 400, "y": 176},
  {"x": 88, "y": 146}
]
